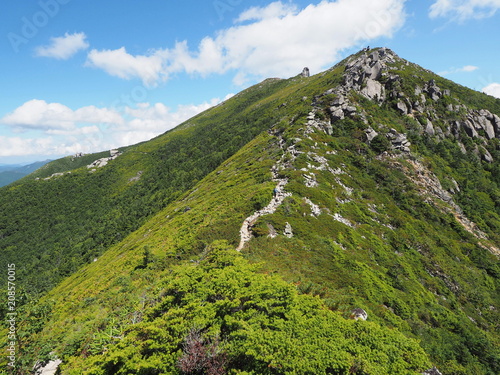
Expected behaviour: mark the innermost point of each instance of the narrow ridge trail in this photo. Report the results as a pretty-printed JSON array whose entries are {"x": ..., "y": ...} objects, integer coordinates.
[{"x": 279, "y": 195}]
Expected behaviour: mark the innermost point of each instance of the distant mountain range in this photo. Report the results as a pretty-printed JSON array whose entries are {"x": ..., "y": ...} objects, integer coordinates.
[{"x": 13, "y": 172}]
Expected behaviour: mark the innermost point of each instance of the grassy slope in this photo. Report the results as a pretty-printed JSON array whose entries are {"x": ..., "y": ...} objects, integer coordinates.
[
  {"x": 411, "y": 266},
  {"x": 50, "y": 228}
]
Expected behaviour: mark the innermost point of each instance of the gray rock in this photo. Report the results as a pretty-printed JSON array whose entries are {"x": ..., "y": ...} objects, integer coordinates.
[
  {"x": 486, "y": 156},
  {"x": 418, "y": 107},
  {"x": 370, "y": 134},
  {"x": 496, "y": 125},
  {"x": 339, "y": 100},
  {"x": 433, "y": 90},
  {"x": 455, "y": 189},
  {"x": 328, "y": 128},
  {"x": 336, "y": 114},
  {"x": 462, "y": 148},
  {"x": 432, "y": 371},
  {"x": 375, "y": 71},
  {"x": 49, "y": 369},
  {"x": 288, "y": 230},
  {"x": 469, "y": 128},
  {"x": 374, "y": 56},
  {"x": 350, "y": 109},
  {"x": 401, "y": 106},
  {"x": 482, "y": 120},
  {"x": 429, "y": 128},
  {"x": 305, "y": 72},
  {"x": 373, "y": 90},
  {"x": 399, "y": 141},
  {"x": 359, "y": 314},
  {"x": 489, "y": 129}
]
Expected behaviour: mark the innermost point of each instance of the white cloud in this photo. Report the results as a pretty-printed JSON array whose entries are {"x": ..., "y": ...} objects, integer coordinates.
[
  {"x": 64, "y": 47},
  {"x": 469, "y": 68},
  {"x": 276, "y": 9},
  {"x": 55, "y": 117},
  {"x": 461, "y": 10},
  {"x": 493, "y": 89},
  {"x": 275, "y": 40},
  {"x": 464, "y": 69},
  {"x": 121, "y": 64},
  {"x": 88, "y": 129}
]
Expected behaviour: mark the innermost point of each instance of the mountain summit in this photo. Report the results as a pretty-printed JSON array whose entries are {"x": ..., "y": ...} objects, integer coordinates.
[{"x": 341, "y": 223}]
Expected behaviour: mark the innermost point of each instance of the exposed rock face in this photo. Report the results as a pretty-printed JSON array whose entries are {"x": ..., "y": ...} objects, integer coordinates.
[
  {"x": 429, "y": 128},
  {"x": 49, "y": 369},
  {"x": 305, "y": 72},
  {"x": 288, "y": 230},
  {"x": 370, "y": 134},
  {"x": 401, "y": 106},
  {"x": 433, "y": 192},
  {"x": 432, "y": 371},
  {"x": 363, "y": 73},
  {"x": 399, "y": 141},
  {"x": 99, "y": 163},
  {"x": 372, "y": 75},
  {"x": 359, "y": 314},
  {"x": 433, "y": 90},
  {"x": 58, "y": 174}
]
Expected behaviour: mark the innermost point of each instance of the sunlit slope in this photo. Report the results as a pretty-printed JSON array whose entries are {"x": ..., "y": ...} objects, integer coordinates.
[
  {"x": 348, "y": 194},
  {"x": 63, "y": 216}
]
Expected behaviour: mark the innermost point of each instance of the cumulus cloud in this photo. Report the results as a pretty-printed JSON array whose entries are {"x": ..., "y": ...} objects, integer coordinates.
[
  {"x": 63, "y": 47},
  {"x": 461, "y": 10},
  {"x": 493, "y": 89},
  {"x": 276, "y": 9},
  {"x": 276, "y": 40},
  {"x": 55, "y": 117},
  {"x": 119, "y": 63},
  {"x": 88, "y": 129},
  {"x": 464, "y": 69}
]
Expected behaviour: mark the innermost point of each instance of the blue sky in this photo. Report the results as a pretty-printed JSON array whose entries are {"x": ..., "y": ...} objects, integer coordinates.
[{"x": 88, "y": 75}]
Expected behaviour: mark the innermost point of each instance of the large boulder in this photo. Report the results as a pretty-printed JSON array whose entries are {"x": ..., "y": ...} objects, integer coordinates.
[{"x": 373, "y": 90}]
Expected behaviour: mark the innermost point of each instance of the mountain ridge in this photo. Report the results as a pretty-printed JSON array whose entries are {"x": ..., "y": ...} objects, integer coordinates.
[
  {"x": 350, "y": 218},
  {"x": 10, "y": 173}
]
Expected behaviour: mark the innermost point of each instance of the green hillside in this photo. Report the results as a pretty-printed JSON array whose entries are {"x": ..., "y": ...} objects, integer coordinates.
[
  {"x": 66, "y": 214},
  {"x": 373, "y": 186}
]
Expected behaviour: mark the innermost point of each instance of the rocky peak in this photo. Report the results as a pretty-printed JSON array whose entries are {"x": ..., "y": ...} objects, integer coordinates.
[
  {"x": 373, "y": 74},
  {"x": 363, "y": 73}
]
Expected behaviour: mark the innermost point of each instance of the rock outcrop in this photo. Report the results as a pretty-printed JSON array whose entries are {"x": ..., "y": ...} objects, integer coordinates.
[
  {"x": 432, "y": 371},
  {"x": 359, "y": 314},
  {"x": 99, "y": 163},
  {"x": 49, "y": 368}
]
